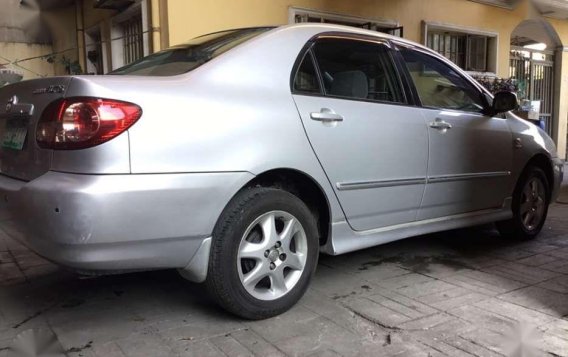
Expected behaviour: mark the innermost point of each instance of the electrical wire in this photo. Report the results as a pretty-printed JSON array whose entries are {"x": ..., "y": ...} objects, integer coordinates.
[{"x": 16, "y": 62}]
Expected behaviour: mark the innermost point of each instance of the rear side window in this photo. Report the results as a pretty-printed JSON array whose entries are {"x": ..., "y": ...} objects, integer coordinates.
[
  {"x": 357, "y": 69},
  {"x": 184, "y": 58},
  {"x": 306, "y": 79}
]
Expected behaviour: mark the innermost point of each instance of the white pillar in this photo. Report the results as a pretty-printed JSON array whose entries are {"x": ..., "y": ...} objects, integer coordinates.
[{"x": 560, "y": 116}]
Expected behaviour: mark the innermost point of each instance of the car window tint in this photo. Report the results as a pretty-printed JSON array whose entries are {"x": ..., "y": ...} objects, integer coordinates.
[
  {"x": 189, "y": 56},
  {"x": 439, "y": 85},
  {"x": 357, "y": 69},
  {"x": 306, "y": 79}
]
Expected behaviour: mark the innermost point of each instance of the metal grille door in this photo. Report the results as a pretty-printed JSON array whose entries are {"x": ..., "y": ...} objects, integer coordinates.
[{"x": 534, "y": 72}]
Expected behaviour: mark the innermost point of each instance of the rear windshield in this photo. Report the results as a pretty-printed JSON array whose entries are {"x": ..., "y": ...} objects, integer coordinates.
[{"x": 184, "y": 58}]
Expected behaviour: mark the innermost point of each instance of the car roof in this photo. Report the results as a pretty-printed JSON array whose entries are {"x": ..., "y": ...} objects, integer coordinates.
[{"x": 319, "y": 28}]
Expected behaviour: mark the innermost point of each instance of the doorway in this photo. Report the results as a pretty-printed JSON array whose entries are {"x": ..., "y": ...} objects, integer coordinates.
[{"x": 531, "y": 63}]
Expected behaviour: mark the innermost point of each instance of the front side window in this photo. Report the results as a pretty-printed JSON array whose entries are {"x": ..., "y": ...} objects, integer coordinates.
[
  {"x": 357, "y": 69},
  {"x": 439, "y": 85},
  {"x": 184, "y": 58}
]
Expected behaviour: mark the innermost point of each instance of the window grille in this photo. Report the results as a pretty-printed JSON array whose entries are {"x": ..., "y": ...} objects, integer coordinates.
[
  {"x": 133, "y": 39},
  {"x": 306, "y": 17},
  {"x": 469, "y": 52}
]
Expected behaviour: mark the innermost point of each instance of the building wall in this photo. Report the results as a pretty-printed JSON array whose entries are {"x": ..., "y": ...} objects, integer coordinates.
[
  {"x": 188, "y": 19},
  {"x": 29, "y": 69},
  {"x": 61, "y": 23}
]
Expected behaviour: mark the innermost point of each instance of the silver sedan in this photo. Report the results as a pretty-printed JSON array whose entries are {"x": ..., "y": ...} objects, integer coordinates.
[{"x": 241, "y": 155}]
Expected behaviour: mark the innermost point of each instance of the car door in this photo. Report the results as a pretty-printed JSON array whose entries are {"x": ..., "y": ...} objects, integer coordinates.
[
  {"x": 370, "y": 142},
  {"x": 470, "y": 153}
]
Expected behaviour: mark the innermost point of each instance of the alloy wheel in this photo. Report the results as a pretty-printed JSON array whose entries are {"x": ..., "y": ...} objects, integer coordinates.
[
  {"x": 533, "y": 201},
  {"x": 272, "y": 255}
]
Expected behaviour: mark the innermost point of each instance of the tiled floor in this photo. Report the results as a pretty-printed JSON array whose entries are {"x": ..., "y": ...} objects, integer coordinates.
[{"x": 459, "y": 293}]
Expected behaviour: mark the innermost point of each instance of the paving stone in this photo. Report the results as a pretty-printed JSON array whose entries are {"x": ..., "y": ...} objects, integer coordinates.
[
  {"x": 326, "y": 278},
  {"x": 511, "y": 254},
  {"x": 540, "y": 299},
  {"x": 484, "y": 282},
  {"x": 321, "y": 334},
  {"x": 375, "y": 312},
  {"x": 425, "y": 288},
  {"x": 340, "y": 315},
  {"x": 256, "y": 344},
  {"x": 515, "y": 312},
  {"x": 230, "y": 346},
  {"x": 459, "y": 301},
  {"x": 489, "y": 339},
  {"x": 444, "y": 348},
  {"x": 420, "y": 308},
  {"x": 482, "y": 261},
  {"x": 378, "y": 273},
  {"x": 427, "y": 322},
  {"x": 288, "y": 325},
  {"x": 538, "y": 246},
  {"x": 556, "y": 327},
  {"x": 145, "y": 345},
  {"x": 538, "y": 260},
  {"x": 558, "y": 284},
  {"x": 559, "y": 253},
  {"x": 6, "y": 257},
  {"x": 472, "y": 347},
  {"x": 10, "y": 274},
  {"x": 559, "y": 266},
  {"x": 110, "y": 349},
  {"x": 523, "y": 273},
  {"x": 404, "y": 281},
  {"x": 202, "y": 348},
  {"x": 485, "y": 319},
  {"x": 553, "y": 344},
  {"x": 446, "y": 266},
  {"x": 444, "y": 295},
  {"x": 396, "y": 345}
]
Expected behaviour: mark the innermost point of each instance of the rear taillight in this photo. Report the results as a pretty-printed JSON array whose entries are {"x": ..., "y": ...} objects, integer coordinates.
[{"x": 81, "y": 122}]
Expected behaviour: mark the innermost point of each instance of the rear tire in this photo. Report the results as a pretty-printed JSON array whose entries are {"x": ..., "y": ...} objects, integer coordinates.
[
  {"x": 530, "y": 206},
  {"x": 264, "y": 253}
]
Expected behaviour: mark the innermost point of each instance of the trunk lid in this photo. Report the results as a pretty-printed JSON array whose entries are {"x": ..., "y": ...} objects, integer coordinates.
[{"x": 21, "y": 106}]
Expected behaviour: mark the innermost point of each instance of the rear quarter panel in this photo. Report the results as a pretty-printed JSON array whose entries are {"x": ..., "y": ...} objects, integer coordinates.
[{"x": 235, "y": 113}]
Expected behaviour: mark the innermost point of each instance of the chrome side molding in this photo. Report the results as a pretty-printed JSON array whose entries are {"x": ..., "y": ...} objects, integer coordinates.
[
  {"x": 361, "y": 185},
  {"x": 344, "y": 186},
  {"x": 464, "y": 177}
]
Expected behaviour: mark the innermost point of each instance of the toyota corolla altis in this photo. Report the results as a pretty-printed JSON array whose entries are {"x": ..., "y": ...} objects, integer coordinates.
[{"x": 241, "y": 155}]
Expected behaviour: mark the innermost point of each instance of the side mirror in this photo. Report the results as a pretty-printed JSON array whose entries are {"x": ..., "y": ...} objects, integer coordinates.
[{"x": 504, "y": 102}]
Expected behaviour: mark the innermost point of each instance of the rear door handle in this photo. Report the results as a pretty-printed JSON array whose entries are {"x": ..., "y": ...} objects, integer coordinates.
[
  {"x": 440, "y": 124},
  {"x": 326, "y": 115}
]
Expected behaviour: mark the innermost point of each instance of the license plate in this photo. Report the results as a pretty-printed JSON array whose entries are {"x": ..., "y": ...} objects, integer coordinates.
[{"x": 14, "y": 138}]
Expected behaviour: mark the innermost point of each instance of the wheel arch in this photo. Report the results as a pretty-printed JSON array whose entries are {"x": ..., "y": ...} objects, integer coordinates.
[
  {"x": 303, "y": 186},
  {"x": 541, "y": 161}
]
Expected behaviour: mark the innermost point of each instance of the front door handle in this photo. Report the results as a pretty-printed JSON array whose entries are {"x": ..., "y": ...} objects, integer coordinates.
[
  {"x": 326, "y": 115},
  {"x": 441, "y": 125}
]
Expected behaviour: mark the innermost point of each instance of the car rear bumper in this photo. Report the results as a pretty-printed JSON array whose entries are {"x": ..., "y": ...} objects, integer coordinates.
[{"x": 109, "y": 223}]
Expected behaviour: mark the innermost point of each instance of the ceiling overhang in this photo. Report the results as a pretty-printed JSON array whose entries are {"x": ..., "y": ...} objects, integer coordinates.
[
  {"x": 557, "y": 9},
  {"x": 113, "y": 4}
]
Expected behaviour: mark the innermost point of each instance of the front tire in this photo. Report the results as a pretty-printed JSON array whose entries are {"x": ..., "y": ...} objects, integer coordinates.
[
  {"x": 264, "y": 253},
  {"x": 530, "y": 206}
]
